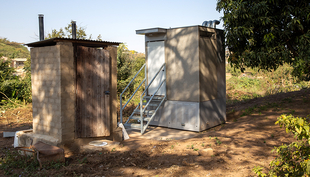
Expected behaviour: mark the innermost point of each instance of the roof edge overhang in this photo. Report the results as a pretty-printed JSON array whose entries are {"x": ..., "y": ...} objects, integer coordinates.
[
  {"x": 84, "y": 42},
  {"x": 152, "y": 31}
]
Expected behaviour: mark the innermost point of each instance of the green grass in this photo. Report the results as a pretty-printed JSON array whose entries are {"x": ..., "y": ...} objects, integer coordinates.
[
  {"x": 255, "y": 84},
  {"x": 14, "y": 164}
]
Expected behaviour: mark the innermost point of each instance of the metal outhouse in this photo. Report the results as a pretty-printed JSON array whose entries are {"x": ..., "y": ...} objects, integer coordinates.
[{"x": 185, "y": 79}]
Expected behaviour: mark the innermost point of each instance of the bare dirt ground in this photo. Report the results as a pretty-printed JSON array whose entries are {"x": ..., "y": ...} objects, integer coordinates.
[{"x": 239, "y": 145}]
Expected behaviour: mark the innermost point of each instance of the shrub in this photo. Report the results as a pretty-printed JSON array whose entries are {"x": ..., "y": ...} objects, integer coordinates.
[
  {"x": 233, "y": 71},
  {"x": 292, "y": 159},
  {"x": 12, "y": 86}
]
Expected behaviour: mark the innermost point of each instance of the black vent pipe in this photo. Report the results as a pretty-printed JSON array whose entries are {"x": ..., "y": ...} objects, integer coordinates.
[
  {"x": 73, "y": 29},
  {"x": 41, "y": 27}
]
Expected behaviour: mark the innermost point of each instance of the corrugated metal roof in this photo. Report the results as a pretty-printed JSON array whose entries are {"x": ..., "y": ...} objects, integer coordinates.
[{"x": 83, "y": 42}]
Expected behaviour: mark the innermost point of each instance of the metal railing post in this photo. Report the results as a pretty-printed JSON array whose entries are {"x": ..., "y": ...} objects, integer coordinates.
[
  {"x": 121, "y": 110},
  {"x": 141, "y": 115},
  {"x": 145, "y": 74}
]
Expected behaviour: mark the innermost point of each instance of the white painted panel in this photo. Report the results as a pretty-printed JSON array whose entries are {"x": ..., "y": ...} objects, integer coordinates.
[{"x": 155, "y": 59}]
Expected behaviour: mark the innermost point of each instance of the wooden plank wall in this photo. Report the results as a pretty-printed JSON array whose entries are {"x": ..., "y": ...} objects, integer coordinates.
[{"x": 93, "y": 105}]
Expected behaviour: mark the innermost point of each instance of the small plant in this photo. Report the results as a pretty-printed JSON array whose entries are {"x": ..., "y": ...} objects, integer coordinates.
[
  {"x": 287, "y": 100},
  {"x": 292, "y": 111},
  {"x": 112, "y": 150},
  {"x": 54, "y": 165},
  {"x": 84, "y": 160},
  {"x": 203, "y": 145},
  {"x": 218, "y": 142},
  {"x": 196, "y": 149},
  {"x": 192, "y": 147},
  {"x": 258, "y": 170},
  {"x": 248, "y": 111},
  {"x": 172, "y": 146}
]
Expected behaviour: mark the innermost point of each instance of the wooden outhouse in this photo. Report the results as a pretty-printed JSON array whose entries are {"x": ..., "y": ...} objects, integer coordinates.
[{"x": 73, "y": 89}]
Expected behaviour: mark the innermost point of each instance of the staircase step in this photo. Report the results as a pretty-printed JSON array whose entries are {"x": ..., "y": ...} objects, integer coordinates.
[
  {"x": 151, "y": 104},
  {"x": 154, "y": 98},
  {"x": 138, "y": 118},
  {"x": 145, "y": 112},
  {"x": 132, "y": 126}
]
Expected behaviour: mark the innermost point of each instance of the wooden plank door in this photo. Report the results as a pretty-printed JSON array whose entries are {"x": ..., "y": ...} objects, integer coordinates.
[{"x": 93, "y": 99}]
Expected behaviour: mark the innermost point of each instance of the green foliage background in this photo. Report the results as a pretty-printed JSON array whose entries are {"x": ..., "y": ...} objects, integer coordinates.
[
  {"x": 13, "y": 49},
  {"x": 128, "y": 64},
  {"x": 268, "y": 33}
]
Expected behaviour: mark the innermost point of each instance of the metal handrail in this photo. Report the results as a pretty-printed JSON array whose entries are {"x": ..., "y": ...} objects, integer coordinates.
[
  {"x": 162, "y": 66},
  {"x": 134, "y": 93},
  {"x": 147, "y": 104},
  {"x": 121, "y": 104},
  {"x": 141, "y": 106},
  {"x": 141, "y": 96},
  {"x": 147, "y": 124}
]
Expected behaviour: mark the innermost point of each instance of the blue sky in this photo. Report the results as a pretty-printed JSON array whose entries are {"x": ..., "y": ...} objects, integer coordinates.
[{"x": 115, "y": 20}]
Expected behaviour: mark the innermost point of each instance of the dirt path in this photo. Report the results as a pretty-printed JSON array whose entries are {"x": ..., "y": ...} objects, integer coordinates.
[{"x": 239, "y": 145}]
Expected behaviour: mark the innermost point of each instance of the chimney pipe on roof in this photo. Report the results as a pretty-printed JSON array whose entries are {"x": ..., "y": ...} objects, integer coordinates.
[
  {"x": 211, "y": 24},
  {"x": 73, "y": 29},
  {"x": 41, "y": 27}
]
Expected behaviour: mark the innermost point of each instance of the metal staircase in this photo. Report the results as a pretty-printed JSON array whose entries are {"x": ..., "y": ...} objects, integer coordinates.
[{"x": 149, "y": 104}]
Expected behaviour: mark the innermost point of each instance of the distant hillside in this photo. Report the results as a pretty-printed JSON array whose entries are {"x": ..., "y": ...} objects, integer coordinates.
[{"x": 13, "y": 49}]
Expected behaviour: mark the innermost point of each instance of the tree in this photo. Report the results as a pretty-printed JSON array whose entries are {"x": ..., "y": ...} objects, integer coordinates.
[
  {"x": 128, "y": 64},
  {"x": 268, "y": 33},
  {"x": 80, "y": 32}
]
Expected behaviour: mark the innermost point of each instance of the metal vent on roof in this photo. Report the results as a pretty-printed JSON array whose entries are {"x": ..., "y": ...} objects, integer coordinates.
[{"x": 211, "y": 24}]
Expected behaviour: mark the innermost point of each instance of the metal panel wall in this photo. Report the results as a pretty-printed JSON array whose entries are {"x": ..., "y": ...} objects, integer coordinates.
[
  {"x": 179, "y": 115},
  {"x": 182, "y": 53},
  {"x": 208, "y": 62}
]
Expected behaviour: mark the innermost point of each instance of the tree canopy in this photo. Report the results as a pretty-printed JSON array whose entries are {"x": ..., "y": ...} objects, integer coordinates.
[
  {"x": 67, "y": 32},
  {"x": 268, "y": 33},
  {"x": 128, "y": 64}
]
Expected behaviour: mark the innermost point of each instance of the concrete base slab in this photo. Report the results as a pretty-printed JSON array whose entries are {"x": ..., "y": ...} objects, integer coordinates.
[
  {"x": 24, "y": 139},
  {"x": 162, "y": 133},
  {"x": 8, "y": 134}
]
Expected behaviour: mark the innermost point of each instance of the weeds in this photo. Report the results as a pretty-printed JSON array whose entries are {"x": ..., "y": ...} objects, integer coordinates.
[
  {"x": 12, "y": 162},
  {"x": 254, "y": 83},
  {"x": 84, "y": 160},
  {"x": 218, "y": 142}
]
